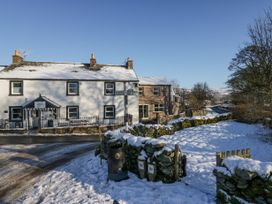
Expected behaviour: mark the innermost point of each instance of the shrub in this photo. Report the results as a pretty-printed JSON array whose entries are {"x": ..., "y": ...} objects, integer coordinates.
[{"x": 186, "y": 124}]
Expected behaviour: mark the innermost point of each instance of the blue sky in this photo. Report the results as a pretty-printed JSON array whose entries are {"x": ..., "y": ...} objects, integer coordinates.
[{"x": 189, "y": 41}]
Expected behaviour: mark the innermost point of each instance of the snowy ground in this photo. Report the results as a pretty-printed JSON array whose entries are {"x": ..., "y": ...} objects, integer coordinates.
[{"x": 84, "y": 180}]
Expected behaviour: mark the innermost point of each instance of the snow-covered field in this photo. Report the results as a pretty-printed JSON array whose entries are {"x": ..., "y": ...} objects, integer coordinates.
[{"x": 84, "y": 180}]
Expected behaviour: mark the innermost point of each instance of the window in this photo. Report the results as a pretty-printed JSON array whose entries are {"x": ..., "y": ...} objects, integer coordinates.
[
  {"x": 72, "y": 88},
  {"x": 109, "y": 88},
  {"x": 158, "y": 107},
  {"x": 16, "y": 113},
  {"x": 109, "y": 112},
  {"x": 156, "y": 91},
  {"x": 72, "y": 112},
  {"x": 141, "y": 91},
  {"x": 16, "y": 88},
  {"x": 143, "y": 111}
]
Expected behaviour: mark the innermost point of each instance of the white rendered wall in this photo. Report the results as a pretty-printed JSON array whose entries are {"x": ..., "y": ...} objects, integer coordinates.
[{"x": 91, "y": 99}]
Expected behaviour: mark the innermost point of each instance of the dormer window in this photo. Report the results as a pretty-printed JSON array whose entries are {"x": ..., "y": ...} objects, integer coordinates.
[
  {"x": 72, "y": 88},
  {"x": 16, "y": 88},
  {"x": 109, "y": 88}
]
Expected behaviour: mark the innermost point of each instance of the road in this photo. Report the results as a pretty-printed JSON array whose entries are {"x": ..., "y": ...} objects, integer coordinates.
[{"x": 22, "y": 165}]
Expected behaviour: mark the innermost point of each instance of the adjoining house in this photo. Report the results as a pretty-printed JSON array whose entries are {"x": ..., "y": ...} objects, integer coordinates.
[
  {"x": 155, "y": 99},
  {"x": 49, "y": 94}
]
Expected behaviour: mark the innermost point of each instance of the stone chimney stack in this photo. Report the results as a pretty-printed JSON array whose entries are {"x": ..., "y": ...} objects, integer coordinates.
[
  {"x": 129, "y": 63},
  {"x": 92, "y": 60},
  {"x": 17, "y": 58}
]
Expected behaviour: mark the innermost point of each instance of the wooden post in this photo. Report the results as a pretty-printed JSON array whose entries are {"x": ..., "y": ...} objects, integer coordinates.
[
  {"x": 218, "y": 159},
  {"x": 177, "y": 152},
  {"x": 248, "y": 153},
  {"x": 227, "y": 153},
  {"x": 223, "y": 155},
  {"x": 243, "y": 153}
]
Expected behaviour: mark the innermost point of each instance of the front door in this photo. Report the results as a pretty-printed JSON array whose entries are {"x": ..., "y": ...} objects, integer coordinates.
[
  {"x": 143, "y": 112},
  {"x": 35, "y": 119}
]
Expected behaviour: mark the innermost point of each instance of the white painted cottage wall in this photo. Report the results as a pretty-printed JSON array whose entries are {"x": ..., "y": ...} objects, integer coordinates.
[{"x": 91, "y": 99}]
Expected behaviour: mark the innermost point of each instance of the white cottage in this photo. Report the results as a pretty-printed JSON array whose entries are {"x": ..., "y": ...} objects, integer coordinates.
[{"x": 47, "y": 94}]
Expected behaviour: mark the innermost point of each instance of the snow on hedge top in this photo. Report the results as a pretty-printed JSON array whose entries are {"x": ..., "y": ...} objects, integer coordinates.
[
  {"x": 153, "y": 81},
  {"x": 65, "y": 71},
  {"x": 263, "y": 169}
]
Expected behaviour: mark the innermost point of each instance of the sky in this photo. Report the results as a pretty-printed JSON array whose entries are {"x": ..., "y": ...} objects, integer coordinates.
[{"x": 187, "y": 41}]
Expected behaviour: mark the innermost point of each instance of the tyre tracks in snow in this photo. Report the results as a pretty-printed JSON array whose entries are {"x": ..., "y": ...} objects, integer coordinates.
[{"x": 15, "y": 183}]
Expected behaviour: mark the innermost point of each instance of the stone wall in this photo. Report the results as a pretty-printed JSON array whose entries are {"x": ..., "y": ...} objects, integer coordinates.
[
  {"x": 156, "y": 131},
  {"x": 92, "y": 130},
  {"x": 148, "y": 98},
  {"x": 242, "y": 180},
  {"x": 142, "y": 153}
]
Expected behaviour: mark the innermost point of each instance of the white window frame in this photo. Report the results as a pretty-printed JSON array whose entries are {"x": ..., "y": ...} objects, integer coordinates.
[
  {"x": 69, "y": 112},
  {"x": 112, "y": 112},
  {"x": 20, "y": 114},
  {"x": 21, "y": 89},
  {"x": 143, "y": 114},
  {"x": 157, "y": 91},
  {"x": 69, "y": 93},
  {"x": 141, "y": 91},
  {"x": 158, "y": 107},
  {"x": 111, "y": 87}
]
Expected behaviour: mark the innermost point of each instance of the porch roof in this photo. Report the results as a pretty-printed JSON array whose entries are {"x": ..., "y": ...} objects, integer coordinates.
[{"x": 48, "y": 103}]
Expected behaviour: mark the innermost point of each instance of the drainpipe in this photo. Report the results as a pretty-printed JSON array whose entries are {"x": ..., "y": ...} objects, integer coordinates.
[{"x": 125, "y": 105}]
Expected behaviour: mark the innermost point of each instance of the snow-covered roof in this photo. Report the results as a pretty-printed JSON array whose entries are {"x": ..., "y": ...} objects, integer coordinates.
[
  {"x": 64, "y": 71},
  {"x": 2, "y": 67},
  {"x": 153, "y": 81}
]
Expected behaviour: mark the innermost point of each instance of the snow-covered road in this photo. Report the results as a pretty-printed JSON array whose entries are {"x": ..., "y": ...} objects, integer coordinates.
[
  {"x": 84, "y": 180},
  {"x": 21, "y": 165}
]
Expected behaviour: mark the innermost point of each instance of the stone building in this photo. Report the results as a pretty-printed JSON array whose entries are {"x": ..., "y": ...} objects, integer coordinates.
[{"x": 155, "y": 99}]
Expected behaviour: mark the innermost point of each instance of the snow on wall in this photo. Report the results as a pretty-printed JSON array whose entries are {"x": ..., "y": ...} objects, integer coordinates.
[
  {"x": 91, "y": 99},
  {"x": 263, "y": 169}
]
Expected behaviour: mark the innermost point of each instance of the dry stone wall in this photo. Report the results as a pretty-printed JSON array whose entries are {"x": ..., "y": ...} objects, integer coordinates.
[
  {"x": 242, "y": 181},
  {"x": 148, "y": 158},
  {"x": 156, "y": 131}
]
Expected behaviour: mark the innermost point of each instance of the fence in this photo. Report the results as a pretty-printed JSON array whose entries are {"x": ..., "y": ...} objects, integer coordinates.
[
  {"x": 4, "y": 124},
  {"x": 220, "y": 156},
  {"x": 82, "y": 121}
]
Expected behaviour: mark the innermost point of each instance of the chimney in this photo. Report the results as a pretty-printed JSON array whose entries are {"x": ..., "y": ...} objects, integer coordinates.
[
  {"x": 17, "y": 58},
  {"x": 92, "y": 60},
  {"x": 129, "y": 63}
]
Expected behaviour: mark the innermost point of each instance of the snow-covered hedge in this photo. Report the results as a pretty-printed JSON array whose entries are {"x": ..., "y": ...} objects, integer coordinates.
[
  {"x": 150, "y": 151},
  {"x": 244, "y": 180}
]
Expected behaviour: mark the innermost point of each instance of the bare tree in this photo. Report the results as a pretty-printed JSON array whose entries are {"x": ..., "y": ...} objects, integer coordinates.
[
  {"x": 251, "y": 78},
  {"x": 199, "y": 95}
]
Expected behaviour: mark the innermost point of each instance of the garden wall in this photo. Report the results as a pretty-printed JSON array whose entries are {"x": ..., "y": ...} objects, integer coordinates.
[
  {"x": 91, "y": 130},
  {"x": 146, "y": 155},
  {"x": 156, "y": 131},
  {"x": 241, "y": 180}
]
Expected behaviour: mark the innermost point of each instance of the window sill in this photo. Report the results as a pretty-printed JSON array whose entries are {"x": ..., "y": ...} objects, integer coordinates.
[{"x": 16, "y": 94}]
